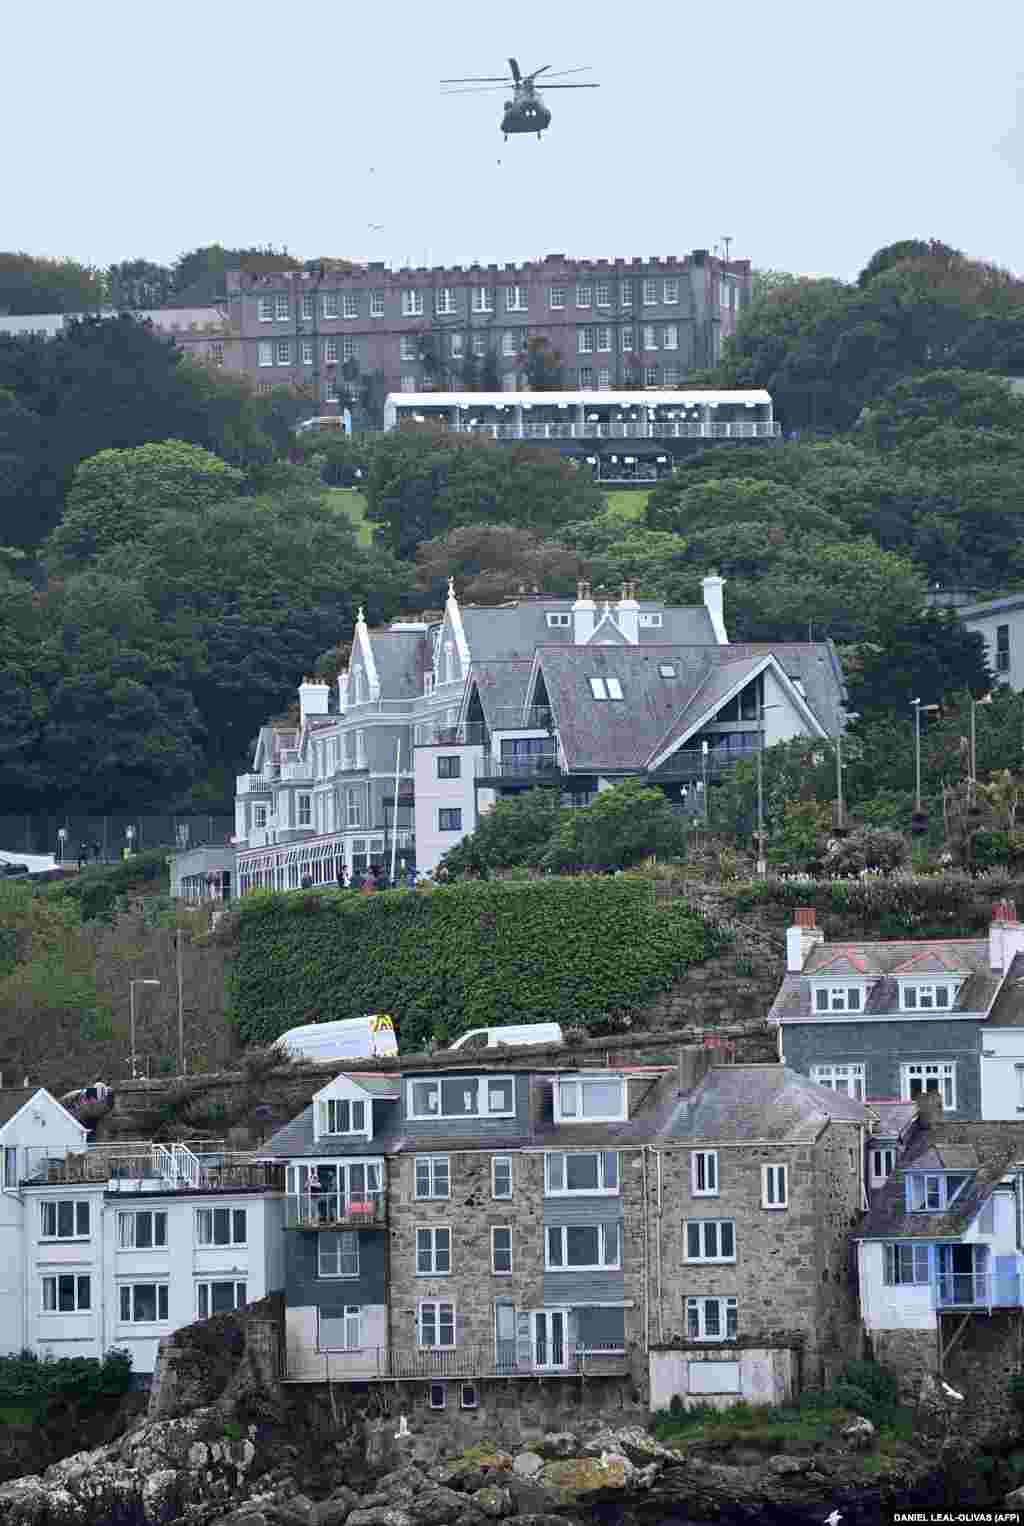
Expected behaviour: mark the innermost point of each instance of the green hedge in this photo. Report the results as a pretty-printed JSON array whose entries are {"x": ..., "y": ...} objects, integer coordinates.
[
  {"x": 469, "y": 955},
  {"x": 98, "y": 889},
  {"x": 41, "y": 1381},
  {"x": 951, "y": 905}
]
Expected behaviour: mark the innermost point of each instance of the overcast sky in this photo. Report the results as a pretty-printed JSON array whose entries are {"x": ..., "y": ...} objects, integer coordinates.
[{"x": 811, "y": 133}]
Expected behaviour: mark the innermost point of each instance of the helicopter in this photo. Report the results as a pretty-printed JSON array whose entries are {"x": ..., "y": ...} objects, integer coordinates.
[{"x": 526, "y": 111}]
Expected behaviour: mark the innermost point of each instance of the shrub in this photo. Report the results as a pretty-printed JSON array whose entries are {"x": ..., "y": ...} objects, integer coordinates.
[
  {"x": 40, "y": 1381},
  {"x": 869, "y": 848}
]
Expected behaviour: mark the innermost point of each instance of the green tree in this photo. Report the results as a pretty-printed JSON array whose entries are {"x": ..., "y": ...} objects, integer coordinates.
[
  {"x": 913, "y": 409},
  {"x": 134, "y": 285},
  {"x": 494, "y": 562},
  {"x": 713, "y": 504},
  {"x": 31, "y": 283},
  {"x": 24, "y": 686},
  {"x": 622, "y": 827},
  {"x": 896, "y": 254},
  {"x": 514, "y": 833}
]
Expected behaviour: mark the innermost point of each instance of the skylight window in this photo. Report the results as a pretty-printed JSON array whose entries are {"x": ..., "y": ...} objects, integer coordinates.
[
  {"x": 667, "y": 669},
  {"x": 598, "y": 689},
  {"x": 614, "y": 688}
]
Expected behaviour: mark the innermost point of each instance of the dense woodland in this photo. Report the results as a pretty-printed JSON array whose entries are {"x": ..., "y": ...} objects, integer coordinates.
[{"x": 174, "y": 562}]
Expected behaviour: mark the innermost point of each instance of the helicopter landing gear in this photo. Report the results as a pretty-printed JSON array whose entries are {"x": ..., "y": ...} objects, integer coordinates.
[{"x": 538, "y": 137}]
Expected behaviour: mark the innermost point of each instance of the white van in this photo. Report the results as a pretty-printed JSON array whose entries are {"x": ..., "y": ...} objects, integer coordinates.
[
  {"x": 516, "y": 1033},
  {"x": 354, "y": 1038}
]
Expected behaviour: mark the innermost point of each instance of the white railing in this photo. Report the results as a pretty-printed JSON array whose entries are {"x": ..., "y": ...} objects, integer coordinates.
[
  {"x": 562, "y": 1360},
  {"x": 974, "y": 1290},
  {"x": 251, "y": 784},
  {"x": 743, "y": 429},
  {"x": 296, "y": 771}
]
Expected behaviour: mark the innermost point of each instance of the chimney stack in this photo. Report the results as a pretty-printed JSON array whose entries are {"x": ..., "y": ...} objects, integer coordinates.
[
  {"x": 584, "y": 615},
  {"x": 715, "y": 606},
  {"x": 627, "y": 614},
  {"x": 313, "y": 699},
  {"x": 694, "y": 1064},
  {"x": 804, "y": 935},
  {"x": 1005, "y": 937}
]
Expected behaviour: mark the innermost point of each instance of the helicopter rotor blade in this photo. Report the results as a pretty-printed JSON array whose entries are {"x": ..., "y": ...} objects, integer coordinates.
[
  {"x": 477, "y": 90},
  {"x": 479, "y": 79},
  {"x": 542, "y": 70},
  {"x": 583, "y": 69},
  {"x": 515, "y": 70},
  {"x": 570, "y": 87}
]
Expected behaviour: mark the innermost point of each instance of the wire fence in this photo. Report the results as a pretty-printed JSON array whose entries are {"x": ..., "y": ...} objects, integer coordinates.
[{"x": 104, "y": 838}]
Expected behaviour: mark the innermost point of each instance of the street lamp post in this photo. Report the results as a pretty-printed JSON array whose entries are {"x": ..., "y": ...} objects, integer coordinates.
[
  {"x": 62, "y": 843},
  {"x": 131, "y": 1018},
  {"x": 704, "y": 778},
  {"x": 916, "y": 703}
]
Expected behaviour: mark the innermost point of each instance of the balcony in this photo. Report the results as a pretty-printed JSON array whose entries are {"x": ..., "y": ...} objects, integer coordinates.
[
  {"x": 691, "y": 763},
  {"x": 978, "y": 1290},
  {"x": 524, "y": 769},
  {"x": 201, "y": 1165},
  {"x": 381, "y": 1363},
  {"x": 655, "y": 429},
  {"x": 252, "y": 784},
  {"x": 336, "y": 1210},
  {"x": 469, "y": 734}
]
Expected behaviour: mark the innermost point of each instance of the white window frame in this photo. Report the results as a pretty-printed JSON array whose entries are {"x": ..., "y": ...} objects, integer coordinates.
[
  {"x": 943, "y": 1071},
  {"x": 614, "y": 688},
  {"x": 704, "y": 1173},
  {"x": 435, "y": 1247},
  {"x": 670, "y": 291},
  {"x": 570, "y": 1104},
  {"x": 845, "y": 998},
  {"x": 586, "y": 378},
  {"x": 444, "y": 300},
  {"x": 265, "y": 309},
  {"x": 201, "y": 1215},
  {"x": 435, "y": 1172},
  {"x": 602, "y": 1229},
  {"x": 651, "y": 618},
  {"x": 446, "y": 821},
  {"x": 585, "y": 341},
  {"x": 483, "y": 1109},
  {"x": 505, "y": 1161},
  {"x": 923, "y": 995},
  {"x": 650, "y": 376},
  {"x": 337, "y": 1110},
  {"x": 348, "y": 347},
  {"x": 163, "y": 1299},
  {"x": 898, "y": 1258},
  {"x": 304, "y": 814},
  {"x": 376, "y": 304},
  {"x": 584, "y": 294},
  {"x": 307, "y": 352},
  {"x": 509, "y": 342},
  {"x": 670, "y": 336},
  {"x": 408, "y": 384},
  {"x": 626, "y": 293},
  {"x": 597, "y": 688},
  {"x": 345, "y": 1247},
  {"x": 77, "y": 1231},
  {"x": 603, "y": 336},
  {"x": 649, "y": 292},
  {"x": 353, "y": 1332},
  {"x": 436, "y": 1305},
  {"x": 559, "y": 620},
  {"x": 848, "y": 1078},
  {"x": 408, "y": 347},
  {"x": 306, "y": 307},
  {"x": 603, "y": 294},
  {"x": 710, "y": 1236},
  {"x": 349, "y": 305},
  {"x": 726, "y": 1307},
  {"x": 52, "y": 1281},
  {"x": 775, "y": 1185},
  {"x": 329, "y": 306},
  {"x": 457, "y": 346},
  {"x": 604, "y": 379},
  {"x": 438, "y": 1396},
  {"x": 517, "y": 299},
  {"x": 556, "y": 298},
  {"x": 627, "y": 338},
  {"x": 259, "y": 815},
  {"x": 127, "y": 1231},
  {"x": 469, "y": 1396},
  {"x": 282, "y": 309},
  {"x": 881, "y": 1163},
  {"x": 483, "y": 299},
  {"x": 330, "y": 352},
  {"x": 265, "y": 352},
  {"x": 552, "y": 1172},
  {"x": 412, "y": 302},
  {"x": 496, "y": 1270},
  {"x": 206, "y": 1287},
  {"x": 283, "y": 352},
  {"x": 650, "y": 336}
]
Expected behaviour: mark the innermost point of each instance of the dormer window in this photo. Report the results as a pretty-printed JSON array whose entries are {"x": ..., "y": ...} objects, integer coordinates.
[
  {"x": 928, "y": 995},
  {"x": 652, "y": 620},
  {"x": 605, "y": 688},
  {"x": 934, "y": 1192},
  {"x": 462, "y": 1097},
  {"x": 838, "y": 998},
  {"x": 558, "y": 620},
  {"x": 343, "y": 1116},
  {"x": 582, "y": 1099}
]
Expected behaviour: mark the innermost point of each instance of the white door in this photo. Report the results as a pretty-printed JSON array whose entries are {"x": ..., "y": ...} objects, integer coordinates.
[{"x": 549, "y": 1343}]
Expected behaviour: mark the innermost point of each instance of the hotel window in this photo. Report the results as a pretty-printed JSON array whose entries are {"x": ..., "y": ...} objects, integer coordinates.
[
  {"x": 670, "y": 336},
  {"x": 64, "y": 1219},
  {"x": 444, "y": 299},
  {"x": 265, "y": 309},
  {"x": 710, "y": 1240},
  {"x": 509, "y": 343},
  {"x": 837, "y": 998},
  {"x": 67, "y": 1294},
  {"x": 408, "y": 347},
  {"x": 604, "y": 379},
  {"x": 586, "y": 378},
  {"x": 265, "y": 352},
  {"x": 922, "y": 1077},
  {"x": 433, "y": 1252},
  {"x": 435, "y": 1322},
  {"x": 350, "y": 305},
  {"x": 348, "y": 348},
  {"x": 775, "y": 1186},
  {"x": 516, "y": 299},
  {"x": 307, "y": 307},
  {"x": 307, "y": 352},
  {"x": 704, "y": 1173},
  {"x": 331, "y": 351},
  {"x": 145, "y": 1230},
  {"x": 670, "y": 291},
  {"x": 376, "y": 304},
  {"x": 1002, "y": 648},
  {"x": 650, "y": 293},
  {"x": 583, "y": 1247},
  {"x": 604, "y": 294},
  {"x": 456, "y": 346},
  {"x": 284, "y": 352},
  {"x": 143, "y": 1302},
  {"x": 433, "y": 1176},
  {"x": 330, "y": 304},
  {"x": 330, "y": 390},
  {"x": 282, "y": 308},
  {"x": 412, "y": 304},
  {"x": 220, "y": 1226},
  {"x": 650, "y": 376},
  {"x": 337, "y": 1255},
  {"x": 219, "y": 1298},
  {"x": 501, "y": 1176},
  {"x": 501, "y": 1250},
  {"x": 556, "y": 298},
  {"x": 711, "y": 1319},
  {"x": 585, "y": 341},
  {"x": 483, "y": 299},
  {"x": 650, "y": 341},
  {"x": 449, "y": 820},
  {"x": 604, "y": 337},
  {"x": 626, "y": 293},
  {"x": 584, "y": 296},
  {"x": 627, "y": 338},
  {"x": 840, "y": 1078}
]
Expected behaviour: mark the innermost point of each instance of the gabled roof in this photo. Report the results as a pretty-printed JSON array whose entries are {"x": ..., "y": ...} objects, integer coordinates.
[
  {"x": 933, "y": 1150},
  {"x": 14, "y": 1102},
  {"x": 1007, "y": 1011},
  {"x": 401, "y": 658},
  {"x": 517, "y": 628},
  {"x": 734, "y": 1103},
  {"x": 501, "y": 687},
  {"x": 946, "y": 956},
  {"x": 893, "y": 1119},
  {"x": 882, "y": 965}
]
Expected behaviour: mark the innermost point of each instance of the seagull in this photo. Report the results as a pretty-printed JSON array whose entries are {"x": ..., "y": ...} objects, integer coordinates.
[
  {"x": 403, "y": 1429},
  {"x": 833, "y": 1519},
  {"x": 377, "y": 227}
]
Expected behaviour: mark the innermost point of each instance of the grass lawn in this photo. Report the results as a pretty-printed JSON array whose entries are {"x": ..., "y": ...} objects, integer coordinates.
[
  {"x": 629, "y": 503},
  {"x": 353, "y": 503}
]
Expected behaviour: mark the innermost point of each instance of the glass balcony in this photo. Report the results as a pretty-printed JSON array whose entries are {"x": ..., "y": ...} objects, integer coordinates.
[{"x": 336, "y": 1210}]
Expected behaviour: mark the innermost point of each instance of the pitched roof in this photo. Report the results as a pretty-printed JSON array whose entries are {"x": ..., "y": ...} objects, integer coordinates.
[
  {"x": 1007, "y": 1010},
  {"x": 931, "y": 1150},
  {"x": 734, "y": 1103},
  {"x": 893, "y": 1118},
  {"x": 947, "y": 956},
  {"x": 400, "y": 657},
  {"x": 517, "y": 628},
  {"x": 501, "y": 686}
]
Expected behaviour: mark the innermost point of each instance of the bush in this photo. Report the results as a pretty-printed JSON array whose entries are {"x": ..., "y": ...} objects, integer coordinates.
[
  {"x": 40, "y": 1381},
  {"x": 470, "y": 955},
  {"x": 868, "y": 848}
]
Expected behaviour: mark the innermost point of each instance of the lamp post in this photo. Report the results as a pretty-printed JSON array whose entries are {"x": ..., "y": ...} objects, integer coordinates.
[
  {"x": 916, "y": 703},
  {"x": 62, "y": 841},
  {"x": 129, "y": 837},
  {"x": 131, "y": 1018},
  {"x": 704, "y": 779}
]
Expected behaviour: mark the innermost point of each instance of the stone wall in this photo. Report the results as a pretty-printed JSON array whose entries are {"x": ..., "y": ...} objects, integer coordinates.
[
  {"x": 233, "y": 1359},
  {"x": 911, "y": 1354},
  {"x": 838, "y": 1172}
]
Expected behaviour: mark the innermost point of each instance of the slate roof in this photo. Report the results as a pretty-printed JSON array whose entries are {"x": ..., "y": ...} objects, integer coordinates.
[
  {"x": 501, "y": 686},
  {"x": 888, "y": 1218},
  {"x": 882, "y": 964},
  {"x": 816, "y": 664},
  {"x": 731, "y": 1103},
  {"x": 894, "y": 1119},
  {"x": 401, "y": 657},
  {"x": 1008, "y": 1008},
  {"x": 516, "y": 628}
]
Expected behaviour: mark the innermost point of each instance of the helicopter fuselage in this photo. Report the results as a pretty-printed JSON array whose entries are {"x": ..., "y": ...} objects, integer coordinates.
[{"x": 526, "y": 112}]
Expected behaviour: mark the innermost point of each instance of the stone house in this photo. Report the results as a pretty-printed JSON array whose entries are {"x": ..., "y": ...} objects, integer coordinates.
[
  {"x": 895, "y": 1021},
  {"x": 454, "y": 1228}
]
